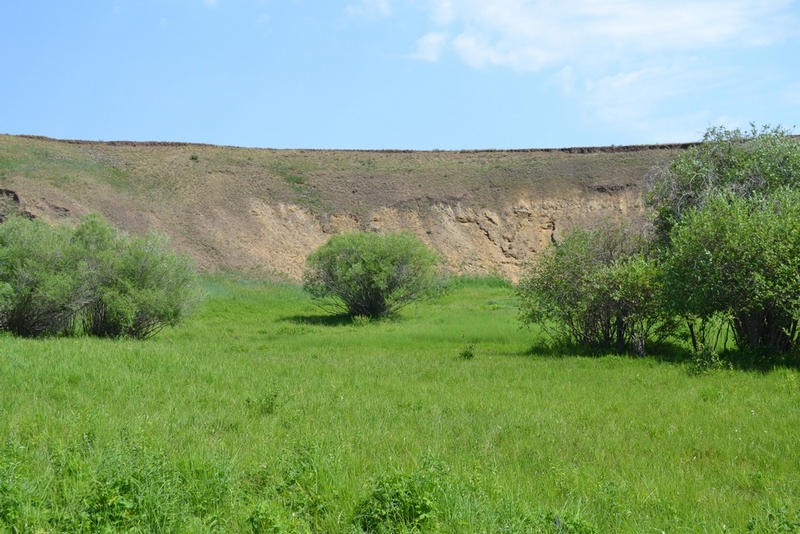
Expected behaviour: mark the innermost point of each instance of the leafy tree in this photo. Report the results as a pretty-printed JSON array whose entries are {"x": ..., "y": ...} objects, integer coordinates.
[
  {"x": 369, "y": 274},
  {"x": 726, "y": 161},
  {"x": 739, "y": 259},
  {"x": 597, "y": 288}
]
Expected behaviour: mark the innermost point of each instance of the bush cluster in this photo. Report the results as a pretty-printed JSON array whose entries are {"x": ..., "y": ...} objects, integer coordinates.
[
  {"x": 92, "y": 279},
  {"x": 371, "y": 275},
  {"x": 724, "y": 257},
  {"x": 597, "y": 288},
  {"x": 739, "y": 259},
  {"x": 727, "y": 162}
]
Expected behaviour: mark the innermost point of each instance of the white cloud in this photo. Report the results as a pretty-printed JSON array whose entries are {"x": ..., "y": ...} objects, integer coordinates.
[
  {"x": 370, "y": 9},
  {"x": 644, "y": 100},
  {"x": 630, "y": 96},
  {"x": 429, "y": 47},
  {"x": 624, "y": 60},
  {"x": 533, "y": 35},
  {"x": 444, "y": 13},
  {"x": 478, "y": 51}
]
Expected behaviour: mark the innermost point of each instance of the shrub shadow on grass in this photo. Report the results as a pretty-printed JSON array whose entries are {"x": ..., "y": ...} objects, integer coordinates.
[
  {"x": 339, "y": 319},
  {"x": 663, "y": 352},
  {"x": 671, "y": 352},
  {"x": 760, "y": 360}
]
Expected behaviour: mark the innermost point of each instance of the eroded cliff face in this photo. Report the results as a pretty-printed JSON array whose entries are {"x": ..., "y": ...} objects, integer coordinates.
[{"x": 470, "y": 239}]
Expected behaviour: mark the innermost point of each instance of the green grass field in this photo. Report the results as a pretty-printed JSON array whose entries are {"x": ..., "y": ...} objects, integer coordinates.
[{"x": 261, "y": 414}]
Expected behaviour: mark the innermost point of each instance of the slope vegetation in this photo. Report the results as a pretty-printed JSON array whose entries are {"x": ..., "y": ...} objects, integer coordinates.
[{"x": 265, "y": 210}]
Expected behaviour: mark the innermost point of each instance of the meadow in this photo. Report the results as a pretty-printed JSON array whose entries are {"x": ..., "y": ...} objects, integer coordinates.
[{"x": 263, "y": 414}]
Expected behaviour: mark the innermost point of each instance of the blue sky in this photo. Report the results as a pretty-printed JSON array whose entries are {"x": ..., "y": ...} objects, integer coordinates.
[{"x": 399, "y": 74}]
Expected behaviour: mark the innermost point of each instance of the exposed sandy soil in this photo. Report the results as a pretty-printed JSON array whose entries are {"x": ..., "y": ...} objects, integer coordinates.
[{"x": 263, "y": 210}]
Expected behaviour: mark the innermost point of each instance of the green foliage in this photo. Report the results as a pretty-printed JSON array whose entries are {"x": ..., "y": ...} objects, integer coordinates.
[
  {"x": 271, "y": 518},
  {"x": 369, "y": 274},
  {"x": 706, "y": 360},
  {"x": 468, "y": 352},
  {"x": 552, "y": 523},
  {"x": 41, "y": 291},
  {"x": 134, "y": 490},
  {"x": 727, "y": 218},
  {"x": 92, "y": 279},
  {"x": 726, "y": 161},
  {"x": 142, "y": 286},
  {"x": 399, "y": 502},
  {"x": 9, "y": 491},
  {"x": 775, "y": 521},
  {"x": 739, "y": 259},
  {"x": 597, "y": 288}
]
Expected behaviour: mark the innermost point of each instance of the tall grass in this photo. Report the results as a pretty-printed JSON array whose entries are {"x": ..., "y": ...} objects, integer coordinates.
[{"x": 265, "y": 415}]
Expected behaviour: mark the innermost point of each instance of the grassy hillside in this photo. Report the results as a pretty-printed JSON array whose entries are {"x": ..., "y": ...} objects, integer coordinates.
[
  {"x": 262, "y": 415},
  {"x": 236, "y": 208},
  {"x": 356, "y": 182}
]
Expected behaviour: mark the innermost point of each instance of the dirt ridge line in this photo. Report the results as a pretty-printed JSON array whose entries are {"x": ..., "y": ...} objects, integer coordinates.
[{"x": 611, "y": 149}]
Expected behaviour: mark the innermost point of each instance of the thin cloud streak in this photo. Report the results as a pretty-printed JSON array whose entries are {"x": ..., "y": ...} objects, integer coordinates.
[
  {"x": 625, "y": 61},
  {"x": 531, "y": 36},
  {"x": 429, "y": 47},
  {"x": 370, "y": 9}
]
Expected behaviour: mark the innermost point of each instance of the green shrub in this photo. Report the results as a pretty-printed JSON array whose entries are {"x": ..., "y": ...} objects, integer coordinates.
[
  {"x": 726, "y": 161},
  {"x": 599, "y": 289},
  {"x": 369, "y": 274},
  {"x": 41, "y": 291},
  {"x": 739, "y": 259},
  {"x": 468, "y": 352},
  {"x": 142, "y": 287},
  {"x": 725, "y": 216},
  {"x": 91, "y": 279}
]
